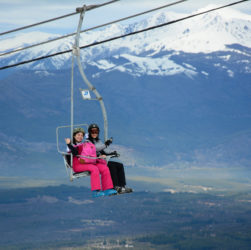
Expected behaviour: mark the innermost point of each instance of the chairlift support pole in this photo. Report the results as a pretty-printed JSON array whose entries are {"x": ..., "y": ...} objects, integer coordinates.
[{"x": 76, "y": 53}]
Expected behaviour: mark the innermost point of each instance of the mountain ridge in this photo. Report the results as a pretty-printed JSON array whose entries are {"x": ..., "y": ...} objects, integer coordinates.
[{"x": 192, "y": 36}]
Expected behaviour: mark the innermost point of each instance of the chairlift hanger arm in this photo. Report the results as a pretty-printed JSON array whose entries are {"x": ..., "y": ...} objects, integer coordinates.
[{"x": 76, "y": 53}]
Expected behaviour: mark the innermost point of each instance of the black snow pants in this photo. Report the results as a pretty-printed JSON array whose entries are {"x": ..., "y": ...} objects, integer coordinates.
[{"x": 117, "y": 173}]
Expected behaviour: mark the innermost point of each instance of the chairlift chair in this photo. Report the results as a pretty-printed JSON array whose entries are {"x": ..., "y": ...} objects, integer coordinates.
[
  {"x": 67, "y": 157},
  {"x": 85, "y": 93}
]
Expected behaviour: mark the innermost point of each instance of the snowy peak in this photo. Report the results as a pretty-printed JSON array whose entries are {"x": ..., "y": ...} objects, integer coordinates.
[
  {"x": 206, "y": 33},
  {"x": 226, "y": 13}
]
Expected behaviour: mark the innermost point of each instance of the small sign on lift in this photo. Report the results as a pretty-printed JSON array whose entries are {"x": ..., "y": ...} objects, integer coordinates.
[{"x": 85, "y": 94}]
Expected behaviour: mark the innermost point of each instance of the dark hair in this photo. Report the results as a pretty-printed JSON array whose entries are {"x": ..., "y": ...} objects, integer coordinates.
[{"x": 76, "y": 131}]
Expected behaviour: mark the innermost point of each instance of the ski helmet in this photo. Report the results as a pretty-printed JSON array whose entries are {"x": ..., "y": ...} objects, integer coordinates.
[
  {"x": 93, "y": 125},
  {"x": 77, "y": 130}
]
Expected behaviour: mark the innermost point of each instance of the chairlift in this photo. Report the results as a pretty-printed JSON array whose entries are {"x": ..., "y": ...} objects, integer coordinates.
[{"x": 86, "y": 95}]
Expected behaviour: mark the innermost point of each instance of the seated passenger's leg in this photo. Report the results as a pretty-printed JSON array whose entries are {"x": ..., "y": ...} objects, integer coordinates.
[
  {"x": 95, "y": 179},
  {"x": 105, "y": 176},
  {"x": 121, "y": 174},
  {"x": 114, "y": 173}
]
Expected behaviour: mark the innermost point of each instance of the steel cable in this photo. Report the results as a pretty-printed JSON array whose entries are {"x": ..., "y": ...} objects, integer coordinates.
[
  {"x": 125, "y": 35},
  {"x": 54, "y": 19}
]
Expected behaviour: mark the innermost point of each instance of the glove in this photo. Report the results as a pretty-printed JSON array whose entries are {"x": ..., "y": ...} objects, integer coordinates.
[
  {"x": 108, "y": 142},
  {"x": 115, "y": 154}
]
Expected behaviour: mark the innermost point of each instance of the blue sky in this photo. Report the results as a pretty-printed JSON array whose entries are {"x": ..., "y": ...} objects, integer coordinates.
[{"x": 17, "y": 13}]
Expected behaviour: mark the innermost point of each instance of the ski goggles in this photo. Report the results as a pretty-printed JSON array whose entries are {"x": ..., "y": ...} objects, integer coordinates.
[{"x": 94, "y": 131}]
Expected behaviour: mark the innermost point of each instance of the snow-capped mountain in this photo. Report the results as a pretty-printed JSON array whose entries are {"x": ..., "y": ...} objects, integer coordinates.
[
  {"x": 148, "y": 52},
  {"x": 179, "y": 94}
]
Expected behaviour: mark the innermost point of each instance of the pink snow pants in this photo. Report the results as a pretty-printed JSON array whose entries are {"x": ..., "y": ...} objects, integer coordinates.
[{"x": 96, "y": 169}]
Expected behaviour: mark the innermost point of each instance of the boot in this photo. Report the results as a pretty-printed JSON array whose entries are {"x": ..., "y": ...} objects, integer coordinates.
[
  {"x": 118, "y": 189},
  {"x": 97, "y": 193},
  {"x": 110, "y": 192},
  {"x": 125, "y": 190}
]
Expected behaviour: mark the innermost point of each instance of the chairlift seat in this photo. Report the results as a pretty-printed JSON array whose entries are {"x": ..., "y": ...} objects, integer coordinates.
[
  {"x": 75, "y": 175},
  {"x": 80, "y": 174}
]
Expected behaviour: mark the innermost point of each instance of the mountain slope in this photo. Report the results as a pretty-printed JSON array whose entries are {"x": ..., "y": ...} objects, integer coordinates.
[{"x": 199, "y": 118}]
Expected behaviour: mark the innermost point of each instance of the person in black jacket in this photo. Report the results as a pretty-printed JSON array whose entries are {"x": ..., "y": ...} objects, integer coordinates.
[{"x": 116, "y": 168}]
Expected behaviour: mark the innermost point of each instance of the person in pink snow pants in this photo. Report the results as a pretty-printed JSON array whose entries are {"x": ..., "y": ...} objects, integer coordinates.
[{"x": 81, "y": 151}]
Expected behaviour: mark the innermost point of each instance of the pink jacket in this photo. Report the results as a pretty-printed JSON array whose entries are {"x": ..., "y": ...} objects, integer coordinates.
[{"x": 88, "y": 149}]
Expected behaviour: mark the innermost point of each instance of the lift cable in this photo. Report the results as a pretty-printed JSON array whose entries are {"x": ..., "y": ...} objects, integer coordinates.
[
  {"x": 92, "y": 28},
  {"x": 91, "y": 7},
  {"x": 125, "y": 35}
]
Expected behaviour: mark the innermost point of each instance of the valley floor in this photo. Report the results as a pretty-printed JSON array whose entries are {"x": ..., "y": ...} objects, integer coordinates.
[{"x": 66, "y": 217}]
